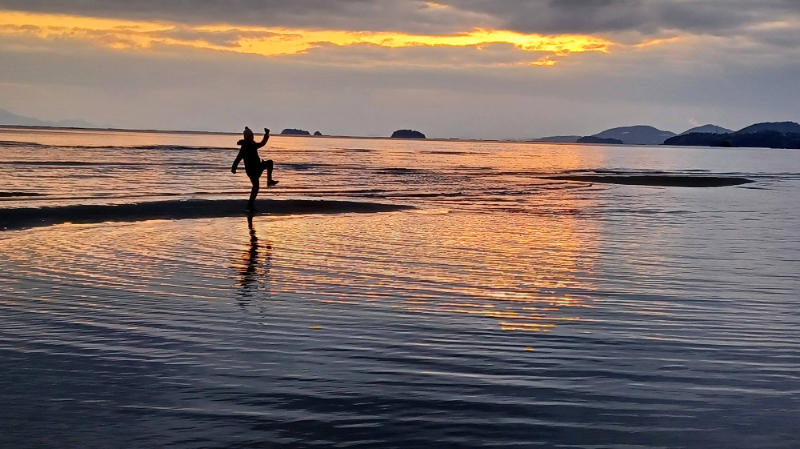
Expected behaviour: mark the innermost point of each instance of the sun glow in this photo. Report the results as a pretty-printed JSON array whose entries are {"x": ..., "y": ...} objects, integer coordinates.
[{"x": 271, "y": 41}]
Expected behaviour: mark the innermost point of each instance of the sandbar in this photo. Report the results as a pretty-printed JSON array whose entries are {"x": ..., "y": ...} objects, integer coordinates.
[
  {"x": 658, "y": 180},
  {"x": 15, "y": 194},
  {"x": 177, "y": 210}
]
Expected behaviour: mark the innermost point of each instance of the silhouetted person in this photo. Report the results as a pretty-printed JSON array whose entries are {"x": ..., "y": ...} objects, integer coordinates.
[{"x": 253, "y": 164}]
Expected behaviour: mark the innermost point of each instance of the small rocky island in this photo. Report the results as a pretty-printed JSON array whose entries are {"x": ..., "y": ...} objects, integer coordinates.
[
  {"x": 317, "y": 133},
  {"x": 295, "y": 132},
  {"x": 407, "y": 134}
]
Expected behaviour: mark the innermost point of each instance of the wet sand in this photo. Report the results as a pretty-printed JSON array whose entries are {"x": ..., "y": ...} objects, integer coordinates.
[
  {"x": 659, "y": 180},
  {"x": 176, "y": 210}
]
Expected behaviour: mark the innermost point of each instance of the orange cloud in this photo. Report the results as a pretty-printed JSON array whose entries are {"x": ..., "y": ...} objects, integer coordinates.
[
  {"x": 545, "y": 61},
  {"x": 266, "y": 41}
]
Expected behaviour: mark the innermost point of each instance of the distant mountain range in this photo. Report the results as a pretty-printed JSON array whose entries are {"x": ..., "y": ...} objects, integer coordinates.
[
  {"x": 711, "y": 129},
  {"x": 760, "y": 135},
  {"x": 636, "y": 135},
  {"x": 629, "y": 135},
  {"x": 771, "y": 134},
  {"x": 781, "y": 127},
  {"x": 9, "y": 118}
]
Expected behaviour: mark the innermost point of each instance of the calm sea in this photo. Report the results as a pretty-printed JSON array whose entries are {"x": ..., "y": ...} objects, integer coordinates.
[{"x": 506, "y": 310}]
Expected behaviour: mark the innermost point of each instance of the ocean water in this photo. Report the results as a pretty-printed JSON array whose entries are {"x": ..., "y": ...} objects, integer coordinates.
[{"x": 507, "y": 309}]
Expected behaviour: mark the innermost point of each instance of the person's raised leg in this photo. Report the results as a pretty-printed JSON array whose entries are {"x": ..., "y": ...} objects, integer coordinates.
[
  {"x": 253, "y": 193},
  {"x": 269, "y": 166}
]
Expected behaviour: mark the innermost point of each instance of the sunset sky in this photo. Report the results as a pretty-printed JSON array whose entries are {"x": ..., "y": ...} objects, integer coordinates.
[{"x": 456, "y": 68}]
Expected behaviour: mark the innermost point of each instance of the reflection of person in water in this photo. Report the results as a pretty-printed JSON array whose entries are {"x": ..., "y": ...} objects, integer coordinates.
[
  {"x": 253, "y": 164},
  {"x": 249, "y": 268}
]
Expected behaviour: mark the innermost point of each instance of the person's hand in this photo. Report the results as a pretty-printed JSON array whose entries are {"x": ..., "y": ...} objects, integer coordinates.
[{"x": 266, "y": 131}]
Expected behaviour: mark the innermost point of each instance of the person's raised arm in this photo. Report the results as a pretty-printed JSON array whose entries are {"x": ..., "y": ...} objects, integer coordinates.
[
  {"x": 265, "y": 139},
  {"x": 236, "y": 162}
]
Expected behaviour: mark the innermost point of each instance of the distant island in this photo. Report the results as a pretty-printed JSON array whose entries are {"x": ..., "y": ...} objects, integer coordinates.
[
  {"x": 712, "y": 129},
  {"x": 594, "y": 139},
  {"x": 781, "y": 127},
  {"x": 556, "y": 139},
  {"x": 760, "y": 139},
  {"x": 759, "y": 135},
  {"x": 636, "y": 135},
  {"x": 295, "y": 132},
  {"x": 771, "y": 135},
  {"x": 317, "y": 133},
  {"x": 407, "y": 134},
  {"x": 627, "y": 135}
]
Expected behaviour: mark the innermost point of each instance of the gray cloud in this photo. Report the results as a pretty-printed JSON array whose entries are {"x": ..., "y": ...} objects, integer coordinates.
[
  {"x": 535, "y": 16},
  {"x": 644, "y": 16},
  {"x": 362, "y": 15},
  {"x": 220, "y": 90}
]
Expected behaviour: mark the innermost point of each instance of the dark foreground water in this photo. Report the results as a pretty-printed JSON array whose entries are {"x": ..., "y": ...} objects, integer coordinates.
[{"x": 506, "y": 310}]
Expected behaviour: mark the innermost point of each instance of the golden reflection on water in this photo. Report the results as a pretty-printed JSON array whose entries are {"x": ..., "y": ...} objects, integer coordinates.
[
  {"x": 539, "y": 264},
  {"x": 532, "y": 301},
  {"x": 529, "y": 273}
]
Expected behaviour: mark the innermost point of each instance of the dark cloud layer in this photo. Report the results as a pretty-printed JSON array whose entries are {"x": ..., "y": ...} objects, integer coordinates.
[
  {"x": 531, "y": 16},
  {"x": 645, "y": 16},
  {"x": 361, "y": 15}
]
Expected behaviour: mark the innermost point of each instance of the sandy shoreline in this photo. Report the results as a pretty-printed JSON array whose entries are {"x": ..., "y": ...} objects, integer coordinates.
[{"x": 11, "y": 219}]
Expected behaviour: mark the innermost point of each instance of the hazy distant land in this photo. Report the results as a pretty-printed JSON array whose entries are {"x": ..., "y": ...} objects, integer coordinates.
[
  {"x": 9, "y": 118},
  {"x": 600, "y": 140},
  {"x": 766, "y": 134}
]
